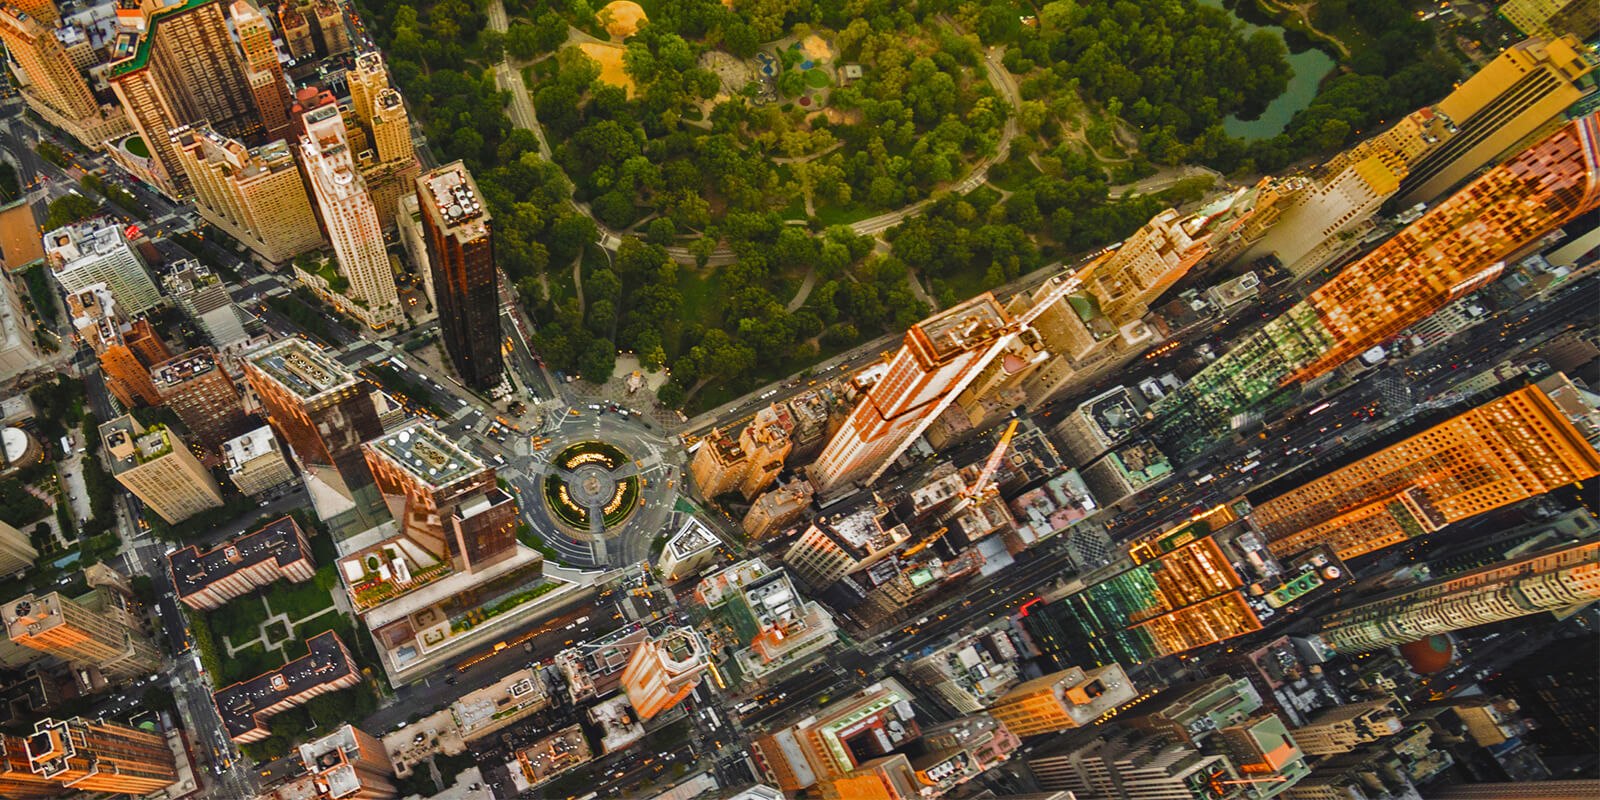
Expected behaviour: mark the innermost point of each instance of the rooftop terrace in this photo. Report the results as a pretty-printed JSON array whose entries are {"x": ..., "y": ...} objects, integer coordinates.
[
  {"x": 301, "y": 368},
  {"x": 426, "y": 455}
]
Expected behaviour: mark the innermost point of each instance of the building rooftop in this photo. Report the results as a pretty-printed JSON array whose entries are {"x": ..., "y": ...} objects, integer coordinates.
[
  {"x": 860, "y": 531},
  {"x": 31, "y": 613},
  {"x": 241, "y": 450},
  {"x": 1114, "y": 413},
  {"x": 961, "y": 326},
  {"x": 239, "y": 704},
  {"x": 426, "y": 455},
  {"x": 692, "y": 538},
  {"x": 128, "y": 446},
  {"x": 452, "y": 193},
  {"x": 329, "y": 760},
  {"x": 280, "y": 541},
  {"x": 188, "y": 275},
  {"x": 132, "y": 55},
  {"x": 68, "y": 246},
  {"x": 301, "y": 368},
  {"x": 185, "y": 366},
  {"x": 1141, "y": 463}
]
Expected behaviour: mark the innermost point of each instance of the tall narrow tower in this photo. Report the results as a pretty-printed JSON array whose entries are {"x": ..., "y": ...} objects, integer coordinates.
[
  {"x": 262, "y": 70},
  {"x": 351, "y": 219},
  {"x": 51, "y": 84},
  {"x": 126, "y": 349},
  {"x": 455, "y": 226},
  {"x": 940, "y": 356}
]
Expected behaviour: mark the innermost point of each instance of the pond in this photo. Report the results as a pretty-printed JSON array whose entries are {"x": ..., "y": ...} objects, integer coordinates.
[{"x": 1310, "y": 66}]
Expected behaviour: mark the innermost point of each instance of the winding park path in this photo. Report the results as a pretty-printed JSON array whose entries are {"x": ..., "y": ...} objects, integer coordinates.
[{"x": 509, "y": 78}]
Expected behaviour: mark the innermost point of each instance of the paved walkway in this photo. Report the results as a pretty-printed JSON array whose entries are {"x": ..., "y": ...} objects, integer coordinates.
[{"x": 804, "y": 291}]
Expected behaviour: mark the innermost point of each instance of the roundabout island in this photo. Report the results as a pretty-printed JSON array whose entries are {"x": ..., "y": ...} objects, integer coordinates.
[{"x": 590, "y": 488}]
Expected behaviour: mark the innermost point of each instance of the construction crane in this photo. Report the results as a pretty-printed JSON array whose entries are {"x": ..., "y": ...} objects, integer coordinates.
[{"x": 976, "y": 491}]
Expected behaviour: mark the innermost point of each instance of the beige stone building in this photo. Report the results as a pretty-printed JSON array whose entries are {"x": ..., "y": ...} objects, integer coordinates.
[{"x": 159, "y": 469}]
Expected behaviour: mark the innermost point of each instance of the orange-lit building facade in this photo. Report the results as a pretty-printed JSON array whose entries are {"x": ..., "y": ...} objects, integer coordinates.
[
  {"x": 1454, "y": 249},
  {"x": 126, "y": 349},
  {"x": 940, "y": 356},
  {"x": 1067, "y": 699},
  {"x": 1502, "y": 452},
  {"x": 664, "y": 670},
  {"x": 18, "y": 781},
  {"x": 100, "y": 756}
]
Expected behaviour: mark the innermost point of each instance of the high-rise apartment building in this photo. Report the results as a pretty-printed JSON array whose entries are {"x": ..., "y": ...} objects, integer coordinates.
[
  {"x": 970, "y": 672},
  {"x": 1454, "y": 249},
  {"x": 349, "y": 764},
  {"x": 239, "y": 567},
  {"x": 778, "y": 509},
  {"x": 664, "y": 670},
  {"x": 940, "y": 357},
  {"x": 322, "y": 410},
  {"x": 387, "y": 158},
  {"x": 126, "y": 349},
  {"x": 51, "y": 84},
  {"x": 351, "y": 220},
  {"x": 94, "y": 630},
  {"x": 692, "y": 547},
  {"x": 16, "y": 550},
  {"x": 1306, "y": 222},
  {"x": 181, "y": 66},
  {"x": 296, "y": 27},
  {"x": 45, "y": 11},
  {"x": 1070, "y": 698},
  {"x": 100, "y": 756},
  {"x": 1344, "y": 728},
  {"x": 1552, "y": 580},
  {"x": 254, "y": 194},
  {"x": 98, "y": 251},
  {"x": 1525, "y": 87},
  {"x": 444, "y": 498},
  {"x": 1499, "y": 453},
  {"x": 466, "y": 284},
  {"x": 18, "y": 781},
  {"x": 203, "y": 297},
  {"x": 830, "y": 549},
  {"x": 331, "y": 30},
  {"x": 1549, "y": 19},
  {"x": 159, "y": 469},
  {"x": 261, "y": 68},
  {"x": 787, "y": 629},
  {"x": 18, "y": 351},
  {"x": 749, "y": 464},
  {"x": 203, "y": 396},
  {"x": 255, "y": 462}
]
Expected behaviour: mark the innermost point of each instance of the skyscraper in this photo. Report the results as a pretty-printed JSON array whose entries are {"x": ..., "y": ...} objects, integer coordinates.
[
  {"x": 320, "y": 408},
  {"x": 1344, "y": 728},
  {"x": 1526, "y": 86},
  {"x": 1131, "y": 766},
  {"x": 97, "y": 251},
  {"x": 182, "y": 67},
  {"x": 1548, "y": 19},
  {"x": 1454, "y": 249},
  {"x": 51, "y": 84},
  {"x": 351, "y": 220},
  {"x": 1311, "y": 220},
  {"x": 254, "y": 194},
  {"x": 126, "y": 349},
  {"x": 940, "y": 357},
  {"x": 848, "y": 735},
  {"x": 378, "y": 117},
  {"x": 444, "y": 498},
  {"x": 262, "y": 70},
  {"x": 748, "y": 464},
  {"x": 466, "y": 284},
  {"x": 100, "y": 756},
  {"x": 94, "y": 630},
  {"x": 18, "y": 781},
  {"x": 1070, "y": 698},
  {"x": 194, "y": 385},
  {"x": 159, "y": 469},
  {"x": 19, "y": 351},
  {"x": 1552, "y": 580},
  {"x": 16, "y": 550},
  {"x": 664, "y": 670},
  {"x": 1499, "y": 453}
]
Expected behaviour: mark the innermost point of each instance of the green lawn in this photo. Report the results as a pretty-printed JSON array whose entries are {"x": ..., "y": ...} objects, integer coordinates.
[
  {"x": 300, "y": 600},
  {"x": 241, "y": 619},
  {"x": 703, "y": 297},
  {"x": 818, "y": 79},
  {"x": 561, "y": 285},
  {"x": 831, "y": 214}
]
